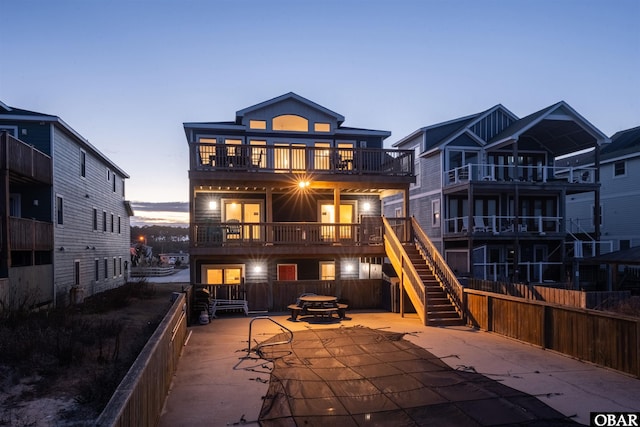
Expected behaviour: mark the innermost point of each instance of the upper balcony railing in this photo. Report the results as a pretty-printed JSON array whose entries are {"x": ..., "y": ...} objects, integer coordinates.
[
  {"x": 301, "y": 159},
  {"x": 509, "y": 173},
  {"x": 24, "y": 159}
]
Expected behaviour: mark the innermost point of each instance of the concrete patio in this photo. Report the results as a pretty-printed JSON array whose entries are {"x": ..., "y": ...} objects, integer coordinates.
[{"x": 216, "y": 386}]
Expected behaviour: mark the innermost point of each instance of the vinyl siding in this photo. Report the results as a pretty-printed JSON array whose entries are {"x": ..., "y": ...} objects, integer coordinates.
[
  {"x": 81, "y": 195},
  {"x": 620, "y": 200}
]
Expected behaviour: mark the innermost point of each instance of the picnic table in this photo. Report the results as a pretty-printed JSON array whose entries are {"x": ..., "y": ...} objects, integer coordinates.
[{"x": 318, "y": 305}]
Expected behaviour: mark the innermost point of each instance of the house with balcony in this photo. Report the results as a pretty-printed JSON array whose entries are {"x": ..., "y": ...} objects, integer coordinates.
[
  {"x": 491, "y": 198},
  {"x": 619, "y": 227},
  {"x": 285, "y": 199},
  {"x": 619, "y": 188},
  {"x": 64, "y": 231}
]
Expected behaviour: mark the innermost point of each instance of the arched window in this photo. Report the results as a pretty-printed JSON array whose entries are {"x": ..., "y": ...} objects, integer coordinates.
[{"x": 290, "y": 122}]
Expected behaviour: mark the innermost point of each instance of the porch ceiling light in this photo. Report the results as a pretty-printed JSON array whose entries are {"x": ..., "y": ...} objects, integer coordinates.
[
  {"x": 213, "y": 205},
  {"x": 303, "y": 184},
  {"x": 367, "y": 206}
]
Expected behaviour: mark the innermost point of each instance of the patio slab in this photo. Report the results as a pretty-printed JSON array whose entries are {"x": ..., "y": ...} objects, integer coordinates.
[{"x": 214, "y": 385}]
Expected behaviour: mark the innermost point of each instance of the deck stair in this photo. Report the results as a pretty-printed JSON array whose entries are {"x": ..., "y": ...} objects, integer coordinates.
[{"x": 440, "y": 310}]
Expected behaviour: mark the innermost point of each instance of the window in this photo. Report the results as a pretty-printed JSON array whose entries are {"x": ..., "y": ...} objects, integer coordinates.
[
  {"x": 115, "y": 267},
  {"x": 625, "y": 244},
  {"x": 104, "y": 221},
  {"x": 119, "y": 224},
  {"x": 123, "y": 188},
  {"x": 120, "y": 266},
  {"x": 15, "y": 205},
  {"x": 435, "y": 213},
  {"x": 11, "y": 130},
  {"x": 327, "y": 270},
  {"x": 59, "y": 210},
  {"x": 290, "y": 122},
  {"x": 96, "y": 267},
  {"x": 108, "y": 175},
  {"x": 619, "y": 168},
  {"x": 257, "y": 124},
  {"x": 106, "y": 268},
  {"x": 95, "y": 219},
  {"x": 83, "y": 163},
  {"x": 593, "y": 214},
  {"x": 223, "y": 274},
  {"x": 322, "y": 127},
  {"x": 76, "y": 271},
  {"x": 114, "y": 183},
  {"x": 416, "y": 166},
  {"x": 112, "y": 225}
]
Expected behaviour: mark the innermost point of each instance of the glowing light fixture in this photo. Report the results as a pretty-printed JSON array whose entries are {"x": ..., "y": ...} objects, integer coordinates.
[
  {"x": 213, "y": 205},
  {"x": 366, "y": 206},
  {"x": 303, "y": 184}
]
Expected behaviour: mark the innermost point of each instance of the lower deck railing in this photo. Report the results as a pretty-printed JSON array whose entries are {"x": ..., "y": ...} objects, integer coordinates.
[{"x": 285, "y": 233}]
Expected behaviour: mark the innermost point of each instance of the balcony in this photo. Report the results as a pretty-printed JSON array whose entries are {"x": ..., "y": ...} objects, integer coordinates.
[
  {"x": 25, "y": 160},
  {"x": 497, "y": 225},
  {"x": 27, "y": 234},
  {"x": 298, "y": 234},
  {"x": 301, "y": 159},
  {"x": 506, "y": 174}
]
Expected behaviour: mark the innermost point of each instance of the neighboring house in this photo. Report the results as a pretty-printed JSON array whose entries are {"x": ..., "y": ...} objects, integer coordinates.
[
  {"x": 488, "y": 194},
  {"x": 65, "y": 222},
  {"x": 285, "y": 193},
  {"x": 620, "y": 191}
]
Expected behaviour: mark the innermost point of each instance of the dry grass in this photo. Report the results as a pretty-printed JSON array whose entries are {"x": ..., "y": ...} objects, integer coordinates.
[{"x": 60, "y": 367}]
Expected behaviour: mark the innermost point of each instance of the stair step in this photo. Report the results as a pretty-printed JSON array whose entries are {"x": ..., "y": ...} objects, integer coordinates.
[
  {"x": 443, "y": 315},
  {"x": 445, "y": 322}
]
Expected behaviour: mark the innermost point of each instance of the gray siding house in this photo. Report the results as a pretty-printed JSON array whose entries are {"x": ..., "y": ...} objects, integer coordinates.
[
  {"x": 285, "y": 196},
  {"x": 489, "y": 196},
  {"x": 65, "y": 221},
  {"x": 620, "y": 191}
]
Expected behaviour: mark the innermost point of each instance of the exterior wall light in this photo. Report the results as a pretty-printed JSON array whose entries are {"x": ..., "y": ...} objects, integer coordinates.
[
  {"x": 213, "y": 205},
  {"x": 366, "y": 206}
]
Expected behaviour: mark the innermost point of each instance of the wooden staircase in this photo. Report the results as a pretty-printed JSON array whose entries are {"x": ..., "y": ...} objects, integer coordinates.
[{"x": 440, "y": 311}]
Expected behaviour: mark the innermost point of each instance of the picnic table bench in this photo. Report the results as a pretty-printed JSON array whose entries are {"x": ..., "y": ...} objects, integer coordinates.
[{"x": 317, "y": 305}]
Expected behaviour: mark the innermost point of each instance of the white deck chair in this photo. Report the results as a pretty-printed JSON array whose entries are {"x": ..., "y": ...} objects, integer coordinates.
[{"x": 478, "y": 224}]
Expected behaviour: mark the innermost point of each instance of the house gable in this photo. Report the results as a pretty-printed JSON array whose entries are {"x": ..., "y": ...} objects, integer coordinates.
[
  {"x": 558, "y": 129},
  {"x": 289, "y": 112}
]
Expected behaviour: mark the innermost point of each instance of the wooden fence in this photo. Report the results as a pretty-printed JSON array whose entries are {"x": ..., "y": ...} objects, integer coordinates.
[
  {"x": 555, "y": 295},
  {"x": 139, "y": 398},
  {"x": 606, "y": 339}
]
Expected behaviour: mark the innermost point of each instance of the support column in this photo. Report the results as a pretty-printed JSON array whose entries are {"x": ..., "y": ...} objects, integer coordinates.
[
  {"x": 336, "y": 212},
  {"x": 269, "y": 214},
  {"x": 405, "y": 205}
]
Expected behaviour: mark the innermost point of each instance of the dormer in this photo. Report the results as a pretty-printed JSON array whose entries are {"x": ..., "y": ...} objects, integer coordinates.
[{"x": 289, "y": 113}]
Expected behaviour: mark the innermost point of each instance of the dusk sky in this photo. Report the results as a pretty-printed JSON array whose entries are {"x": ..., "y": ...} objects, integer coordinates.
[{"x": 127, "y": 74}]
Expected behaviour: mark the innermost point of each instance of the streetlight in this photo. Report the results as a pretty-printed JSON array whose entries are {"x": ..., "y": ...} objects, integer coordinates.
[{"x": 143, "y": 240}]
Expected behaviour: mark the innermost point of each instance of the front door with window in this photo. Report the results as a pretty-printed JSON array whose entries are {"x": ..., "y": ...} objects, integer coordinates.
[
  {"x": 247, "y": 213},
  {"x": 328, "y": 216}
]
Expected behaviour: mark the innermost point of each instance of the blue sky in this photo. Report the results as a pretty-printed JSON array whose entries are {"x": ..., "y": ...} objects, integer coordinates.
[{"x": 127, "y": 74}]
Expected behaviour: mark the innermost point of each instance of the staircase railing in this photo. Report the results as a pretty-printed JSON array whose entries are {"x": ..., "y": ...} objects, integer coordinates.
[
  {"x": 440, "y": 268},
  {"x": 409, "y": 279}
]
